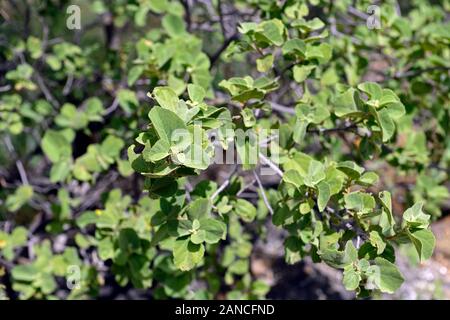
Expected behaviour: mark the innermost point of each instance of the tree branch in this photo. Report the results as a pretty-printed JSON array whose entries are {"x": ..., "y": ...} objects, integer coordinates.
[
  {"x": 19, "y": 164},
  {"x": 263, "y": 193},
  {"x": 225, "y": 184},
  {"x": 272, "y": 165}
]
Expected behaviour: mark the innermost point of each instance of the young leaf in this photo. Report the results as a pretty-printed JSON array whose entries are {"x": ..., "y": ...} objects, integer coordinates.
[
  {"x": 186, "y": 254},
  {"x": 323, "y": 196},
  {"x": 214, "y": 229},
  {"x": 388, "y": 278},
  {"x": 424, "y": 242},
  {"x": 166, "y": 98},
  {"x": 196, "y": 93},
  {"x": 166, "y": 123},
  {"x": 351, "y": 278}
]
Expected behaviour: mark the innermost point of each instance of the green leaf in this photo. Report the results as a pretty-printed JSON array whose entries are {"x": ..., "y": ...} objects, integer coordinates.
[
  {"x": 377, "y": 241},
  {"x": 87, "y": 218},
  {"x": 388, "y": 278},
  {"x": 359, "y": 202},
  {"x": 247, "y": 150},
  {"x": 56, "y": 146},
  {"x": 47, "y": 283},
  {"x": 265, "y": 63},
  {"x": 245, "y": 210},
  {"x": 166, "y": 98},
  {"x": 386, "y": 123},
  {"x": 424, "y": 242},
  {"x": 111, "y": 146},
  {"x": 307, "y": 26},
  {"x": 322, "y": 52},
  {"x": 195, "y": 157},
  {"x": 302, "y": 72},
  {"x": 324, "y": 194},
  {"x": 293, "y": 177},
  {"x": 313, "y": 114},
  {"x": 199, "y": 209},
  {"x": 127, "y": 100},
  {"x": 166, "y": 123},
  {"x": 248, "y": 117},
  {"x": 396, "y": 110},
  {"x": 351, "y": 278},
  {"x": 294, "y": 46},
  {"x": 187, "y": 254},
  {"x": 389, "y": 97},
  {"x": 239, "y": 267},
  {"x": 300, "y": 130},
  {"x": 158, "y": 6},
  {"x": 94, "y": 109},
  {"x": 198, "y": 237},
  {"x": 34, "y": 46},
  {"x": 196, "y": 93},
  {"x": 214, "y": 230},
  {"x": 20, "y": 197},
  {"x": 105, "y": 249},
  {"x": 335, "y": 179},
  {"x": 70, "y": 117},
  {"x": 372, "y": 89},
  {"x": 333, "y": 258},
  {"x": 315, "y": 174},
  {"x": 345, "y": 104},
  {"x": 414, "y": 217},
  {"x": 387, "y": 221},
  {"x": 368, "y": 179},
  {"x": 128, "y": 240},
  {"x": 25, "y": 273},
  {"x": 350, "y": 253},
  {"x": 19, "y": 236},
  {"x": 158, "y": 151},
  {"x": 351, "y": 169},
  {"x": 273, "y": 31},
  {"x": 178, "y": 85},
  {"x": 180, "y": 228},
  {"x": 174, "y": 25},
  {"x": 134, "y": 74}
]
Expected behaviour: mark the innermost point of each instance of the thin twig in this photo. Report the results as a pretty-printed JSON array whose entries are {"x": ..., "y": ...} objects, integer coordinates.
[
  {"x": 281, "y": 108},
  {"x": 112, "y": 107},
  {"x": 272, "y": 165},
  {"x": 339, "y": 129},
  {"x": 357, "y": 13},
  {"x": 45, "y": 90},
  {"x": 68, "y": 85},
  {"x": 225, "y": 184},
  {"x": 19, "y": 164},
  {"x": 5, "y": 88},
  {"x": 245, "y": 187},
  {"x": 263, "y": 192}
]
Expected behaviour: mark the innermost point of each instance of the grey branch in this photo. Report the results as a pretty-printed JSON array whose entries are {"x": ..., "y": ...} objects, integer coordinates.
[
  {"x": 272, "y": 165},
  {"x": 224, "y": 184},
  {"x": 263, "y": 192},
  {"x": 19, "y": 164}
]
